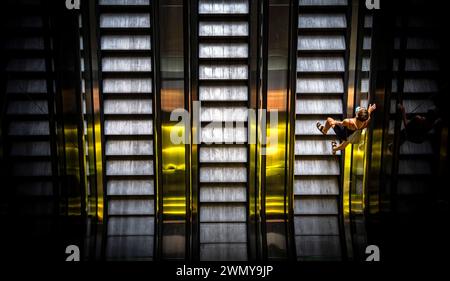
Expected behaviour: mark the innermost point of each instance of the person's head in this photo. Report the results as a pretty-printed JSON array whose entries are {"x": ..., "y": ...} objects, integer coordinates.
[{"x": 362, "y": 114}]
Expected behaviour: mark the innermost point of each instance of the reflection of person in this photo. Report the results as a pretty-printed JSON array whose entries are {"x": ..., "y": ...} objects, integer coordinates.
[
  {"x": 417, "y": 128},
  {"x": 349, "y": 129}
]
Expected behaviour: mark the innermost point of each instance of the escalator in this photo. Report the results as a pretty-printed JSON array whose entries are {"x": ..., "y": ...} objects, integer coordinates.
[
  {"x": 28, "y": 127},
  {"x": 223, "y": 30},
  {"x": 127, "y": 94},
  {"x": 321, "y": 73},
  {"x": 415, "y": 85},
  {"x": 412, "y": 204}
]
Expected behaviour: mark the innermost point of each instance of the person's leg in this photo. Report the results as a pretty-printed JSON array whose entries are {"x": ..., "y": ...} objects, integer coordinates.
[
  {"x": 340, "y": 146},
  {"x": 329, "y": 124}
]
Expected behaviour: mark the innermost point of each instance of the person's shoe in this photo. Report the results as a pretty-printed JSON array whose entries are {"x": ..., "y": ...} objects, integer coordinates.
[
  {"x": 333, "y": 147},
  {"x": 320, "y": 127}
]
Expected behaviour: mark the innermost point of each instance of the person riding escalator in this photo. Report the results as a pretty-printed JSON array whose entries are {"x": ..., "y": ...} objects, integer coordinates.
[
  {"x": 348, "y": 130},
  {"x": 417, "y": 128}
]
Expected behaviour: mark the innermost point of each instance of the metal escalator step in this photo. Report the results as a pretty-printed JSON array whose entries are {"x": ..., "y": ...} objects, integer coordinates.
[
  {"x": 320, "y": 225},
  {"x": 319, "y": 106},
  {"x": 364, "y": 85},
  {"x": 128, "y": 147},
  {"x": 321, "y": 42},
  {"x": 223, "y": 72},
  {"x": 314, "y": 167},
  {"x": 323, "y": 3},
  {"x": 315, "y": 206},
  {"x": 224, "y": 135},
  {"x": 408, "y": 186},
  {"x": 35, "y": 188},
  {"x": 320, "y": 64},
  {"x": 223, "y": 252},
  {"x": 368, "y": 21},
  {"x": 367, "y": 43},
  {"x": 223, "y": 154},
  {"x": 223, "y": 114},
  {"x": 129, "y": 247},
  {"x": 419, "y": 43},
  {"x": 131, "y": 207},
  {"x": 124, "y": 2},
  {"x": 32, "y": 168},
  {"x": 131, "y": 127},
  {"x": 414, "y": 167},
  {"x": 409, "y": 148},
  {"x": 127, "y": 106},
  {"x": 131, "y": 226},
  {"x": 223, "y": 174},
  {"x": 125, "y": 64},
  {"x": 23, "y": 44},
  {"x": 223, "y": 7},
  {"x": 125, "y": 42},
  {"x": 365, "y": 64},
  {"x": 116, "y": 20},
  {"x": 222, "y": 213},
  {"x": 414, "y": 106},
  {"x": 217, "y": 28},
  {"x": 318, "y": 247},
  {"x": 129, "y": 167},
  {"x": 421, "y": 64},
  {"x": 222, "y": 93},
  {"x": 24, "y": 22},
  {"x": 214, "y": 50},
  {"x": 127, "y": 85},
  {"x": 27, "y": 107},
  {"x": 316, "y": 185},
  {"x": 28, "y": 86},
  {"x": 320, "y": 85},
  {"x": 322, "y": 21},
  {"x": 420, "y": 86},
  {"x": 30, "y": 148},
  {"x": 26, "y": 65},
  {"x": 130, "y": 187},
  {"x": 36, "y": 207},
  {"x": 223, "y": 194},
  {"x": 223, "y": 232},
  {"x": 29, "y": 128}
]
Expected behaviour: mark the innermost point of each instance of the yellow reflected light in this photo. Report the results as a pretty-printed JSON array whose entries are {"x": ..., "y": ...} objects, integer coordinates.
[
  {"x": 173, "y": 169},
  {"x": 275, "y": 203}
]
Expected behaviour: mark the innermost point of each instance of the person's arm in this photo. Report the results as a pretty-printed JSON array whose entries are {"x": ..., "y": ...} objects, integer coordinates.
[
  {"x": 403, "y": 112},
  {"x": 371, "y": 109},
  {"x": 345, "y": 123}
]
